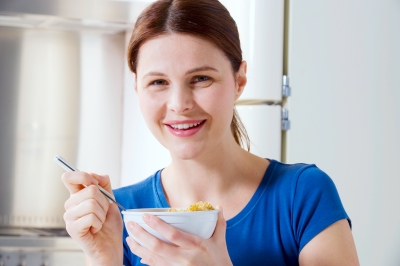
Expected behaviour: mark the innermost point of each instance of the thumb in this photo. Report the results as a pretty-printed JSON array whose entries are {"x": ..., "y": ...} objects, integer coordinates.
[
  {"x": 220, "y": 228},
  {"x": 104, "y": 181}
]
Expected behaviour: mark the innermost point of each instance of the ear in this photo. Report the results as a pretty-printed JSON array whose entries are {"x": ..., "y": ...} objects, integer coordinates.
[{"x": 241, "y": 79}]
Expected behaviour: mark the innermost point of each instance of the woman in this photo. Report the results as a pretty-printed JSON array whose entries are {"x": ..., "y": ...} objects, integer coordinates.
[{"x": 186, "y": 58}]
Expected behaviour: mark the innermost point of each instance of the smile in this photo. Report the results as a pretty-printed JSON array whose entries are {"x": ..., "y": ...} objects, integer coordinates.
[
  {"x": 185, "y": 129},
  {"x": 185, "y": 126}
]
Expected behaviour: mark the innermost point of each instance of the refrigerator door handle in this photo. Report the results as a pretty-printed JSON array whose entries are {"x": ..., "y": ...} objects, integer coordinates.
[{"x": 285, "y": 119}]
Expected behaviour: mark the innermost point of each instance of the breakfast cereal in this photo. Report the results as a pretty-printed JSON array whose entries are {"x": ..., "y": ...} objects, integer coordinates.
[{"x": 199, "y": 206}]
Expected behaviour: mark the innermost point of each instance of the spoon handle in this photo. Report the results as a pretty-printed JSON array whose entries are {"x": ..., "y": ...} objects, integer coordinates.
[{"x": 69, "y": 167}]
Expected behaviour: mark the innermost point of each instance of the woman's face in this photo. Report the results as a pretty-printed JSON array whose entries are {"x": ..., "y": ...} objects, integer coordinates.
[{"x": 186, "y": 89}]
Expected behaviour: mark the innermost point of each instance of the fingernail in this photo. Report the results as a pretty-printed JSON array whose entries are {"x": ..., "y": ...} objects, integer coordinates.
[
  {"x": 146, "y": 217},
  {"x": 131, "y": 225}
]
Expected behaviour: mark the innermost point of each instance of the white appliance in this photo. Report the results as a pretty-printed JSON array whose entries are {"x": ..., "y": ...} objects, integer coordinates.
[{"x": 61, "y": 74}]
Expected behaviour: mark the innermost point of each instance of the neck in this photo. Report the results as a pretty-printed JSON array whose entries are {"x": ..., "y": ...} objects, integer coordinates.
[{"x": 213, "y": 177}]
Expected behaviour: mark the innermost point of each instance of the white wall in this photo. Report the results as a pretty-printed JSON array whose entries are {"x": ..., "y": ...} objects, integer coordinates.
[{"x": 344, "y": 68}]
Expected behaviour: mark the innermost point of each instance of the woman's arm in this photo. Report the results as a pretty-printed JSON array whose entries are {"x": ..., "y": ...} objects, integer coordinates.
[{"x": 333, "y": 246}]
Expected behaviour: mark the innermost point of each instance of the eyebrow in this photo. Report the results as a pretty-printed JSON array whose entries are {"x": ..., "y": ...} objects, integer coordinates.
[
  {"x": 203, "y": 68},
  {"x": 197, "y": 69}
]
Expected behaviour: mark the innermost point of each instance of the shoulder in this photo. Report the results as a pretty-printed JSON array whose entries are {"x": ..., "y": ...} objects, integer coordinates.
[
  {"x": 296, "y": 176},
  {"x": 306, "y": 183},
  {"x": 312, "y": 183},
  {"x": 309, "y": 194},
  {"x": 295, "y": 170},
  {"x": 139, "y": 195},
  {"x": 312, "y": 198},
  {"x": 296, "y": 185}
]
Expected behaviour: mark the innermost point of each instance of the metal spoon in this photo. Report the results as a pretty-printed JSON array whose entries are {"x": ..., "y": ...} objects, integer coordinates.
[{"x": 68, "y": 167}]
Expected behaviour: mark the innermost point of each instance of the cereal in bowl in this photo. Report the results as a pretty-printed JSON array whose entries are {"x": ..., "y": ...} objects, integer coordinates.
[{"x": 199, "y": 206}]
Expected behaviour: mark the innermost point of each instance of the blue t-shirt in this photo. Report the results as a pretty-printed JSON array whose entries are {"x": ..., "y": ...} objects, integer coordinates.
[{"x": 292, "y": 204}]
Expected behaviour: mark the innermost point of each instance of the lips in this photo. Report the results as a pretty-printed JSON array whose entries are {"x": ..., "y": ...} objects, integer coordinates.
[{"x": 185, "y": 128}]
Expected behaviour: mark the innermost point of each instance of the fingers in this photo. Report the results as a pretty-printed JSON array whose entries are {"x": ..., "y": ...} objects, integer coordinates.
[
  {"x": 89, "y": 193},
  {"x": 172, "y": 234},
  {"x": 87, "y": 207},
  {"x": 103, "y": 181},
  {"x": 154, "y": 250},
  {"x": 75, "y": 181},
  {"x": 187, "y": 249},
  {"x": 80, "y": 227},
  {"x": 85, "y": 210},
  {"x": 143, "y": 253},
  {"x": 149, "y": 241}
]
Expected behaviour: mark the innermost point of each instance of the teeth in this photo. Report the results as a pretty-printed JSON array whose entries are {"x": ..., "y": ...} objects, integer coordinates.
[{"x": 184, "y": 126}]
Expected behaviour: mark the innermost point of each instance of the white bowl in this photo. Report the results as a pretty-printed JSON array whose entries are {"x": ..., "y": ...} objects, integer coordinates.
[{"x": 199, "y": 223}]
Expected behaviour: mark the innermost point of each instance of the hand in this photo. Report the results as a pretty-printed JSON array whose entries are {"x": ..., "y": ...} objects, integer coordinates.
[
  {"x": 189, "y": 249},
  {"x": 94, "y": 223}
]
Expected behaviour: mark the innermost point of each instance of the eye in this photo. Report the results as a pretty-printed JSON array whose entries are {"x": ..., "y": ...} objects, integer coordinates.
[
  {"x": 201, "y": 79},
  {"x": 159, "y": 82}
]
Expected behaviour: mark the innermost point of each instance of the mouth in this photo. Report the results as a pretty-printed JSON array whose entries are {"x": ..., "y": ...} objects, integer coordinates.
[
  {"x": 187, "y": 129},
  {"x": 185, "y": 126}
]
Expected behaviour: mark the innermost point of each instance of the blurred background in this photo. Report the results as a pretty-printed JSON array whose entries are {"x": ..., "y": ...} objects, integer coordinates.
[{"x": 323, "y": 88}]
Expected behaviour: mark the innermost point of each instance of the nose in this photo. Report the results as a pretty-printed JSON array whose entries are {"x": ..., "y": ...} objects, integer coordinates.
[{"x": 180, "y": 99}]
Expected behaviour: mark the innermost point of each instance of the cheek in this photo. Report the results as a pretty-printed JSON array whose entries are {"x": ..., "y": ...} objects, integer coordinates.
[
  {"x": 151, "y": 109},
  {"x": 219, "y": 100},
  {"x": 222, "y": 96}
]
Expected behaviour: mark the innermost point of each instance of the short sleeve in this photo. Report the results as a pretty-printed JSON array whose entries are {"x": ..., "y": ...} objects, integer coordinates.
[{"x": 316, "y": 205}]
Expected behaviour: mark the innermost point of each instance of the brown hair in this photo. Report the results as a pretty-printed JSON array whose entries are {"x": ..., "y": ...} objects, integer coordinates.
[{"x": 207, "y": 19}]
